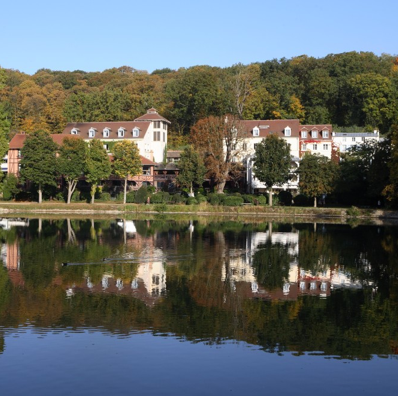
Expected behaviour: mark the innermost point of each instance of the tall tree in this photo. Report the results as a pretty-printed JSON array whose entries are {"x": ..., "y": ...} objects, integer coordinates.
[
  {"x": 38, "y": 163},
  {"x": 127, "y": 162},
  {"x": 192, "y": 169},
  {"x": 98, "y": 165},
  {"x": 220, "y": 141},
  {"x": 318, "y": 175},
  {"x": 72, "y": 162},
  {"x": 272, "y": 164}
]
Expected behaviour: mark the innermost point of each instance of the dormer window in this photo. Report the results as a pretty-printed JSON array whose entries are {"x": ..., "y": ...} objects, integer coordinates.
[
  {"x": 120, "y": 132},
  {"x": 106, "y": 132},
  {"x": 325, "y": 134},
  {"x": 314, "y": 134},
  {"x": 91, "y": 132},
  {"x": 136, "y": 132},
  {"x": 304, "y": 134},
  {"x": 74, "y": 131},
  {"x": 256, "y": 131},
  {"x": 288, "y": 131}
]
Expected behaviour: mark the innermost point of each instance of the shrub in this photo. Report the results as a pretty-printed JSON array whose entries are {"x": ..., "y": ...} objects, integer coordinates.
[
  {"x": 285, "y": 198},
  {"x": 105, "y": 197},
  {"x": 75, "y": 196},
  {"x": 191, "y": 201},
  {"x": 201, "y": 198},
  {"x": 260, "y": 200},
  {"x": 10, "y": 187},
  {"x": 248, "y": 198},
  {"x": 178, "y": 199},
  {"x": 353, "y": 211},
  {"x": 141, "y": 195},
  {"x": 151, "y": 189},
  {"x": 232, "y": 200},
  {"x": 301, "y": 200},
  {"x": 130, "y": 197},
  {"x": 157, "y": 198},
  {"x": 214, "y": 198}
]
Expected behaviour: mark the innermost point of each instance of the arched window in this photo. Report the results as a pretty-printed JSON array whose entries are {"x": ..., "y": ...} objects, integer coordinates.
[
  {"x": 74, "y": 131},
  {"x": 136, "y": 132},
  {"x": 256, "y": 131},
  {"x": 120, "y": 132},
  {"x": 91, "y": 132},
  {"x": 106, "y": 132},
  {"x": 288, "y": 131}
]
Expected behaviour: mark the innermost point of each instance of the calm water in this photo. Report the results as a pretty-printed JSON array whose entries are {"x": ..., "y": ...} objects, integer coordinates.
[{"x": 158, "y": 307}]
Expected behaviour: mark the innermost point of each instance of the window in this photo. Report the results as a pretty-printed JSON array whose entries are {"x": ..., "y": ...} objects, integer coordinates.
[
  {"x": 106, "y": 132},
  {"x": 344, "y": 139},
  {"x": 256, "y": 131},
  {"x": 244, "y": 146},
  {"x": 325, "y": 134},
  {"x": 315, "y": 146},
  {"x": 165, "y": 126},
  {"x": 326, "y": 147},
  {"x": 74, "y": 131},
  {"x": 314, "y": 134},
  {"x": 91, "y": 132},
  {"x": 120, "y": 132},
  {"x": 288, "y": 131},
  {"x": 156, "y": 124},
  {"x": 105, "y": 146},
  {"x": 353, "y": 139},
  {"x": 363, "y": 139},
  {"x": 164, "y": 136},
  {"x": 304, "y": 134},
  {"x": 303, "y": 147},
  {"x": 156, "y": 136},
  {"x": 136, "y": 132}
]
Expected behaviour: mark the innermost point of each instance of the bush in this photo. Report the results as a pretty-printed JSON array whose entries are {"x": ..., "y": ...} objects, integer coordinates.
[
  {"x": 353, "y": 211},
  {"x": 260, "y": 200},
  {"x": 232, "y": 200},
  {"x": 214, "y": 199},
  {"x": 10, "y": 187},
  {"x": 141, "y": 195},
  {"x": 191, "y": 201},
  {"x": 285, "y": 198},
  {"x": 151, "y": 189},
  {"x": 75, "y": 196},
  {"x": 201, "y": 198},
  {"x": 301, "y": 200},
  {"x": 130, "y": 197},
  {"x": 104, "y": 197},
  {"x": 178, "y": 199}
]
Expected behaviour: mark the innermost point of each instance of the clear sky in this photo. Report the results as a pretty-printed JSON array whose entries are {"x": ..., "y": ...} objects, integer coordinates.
[{"x": 94, "y": 35}]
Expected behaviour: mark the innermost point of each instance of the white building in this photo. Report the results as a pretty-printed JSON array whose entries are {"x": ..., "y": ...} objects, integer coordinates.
[{"x": 346, "y": 140}]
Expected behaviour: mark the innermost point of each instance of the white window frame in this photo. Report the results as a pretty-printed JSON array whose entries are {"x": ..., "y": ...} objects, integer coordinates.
[
  {"x": 325, "y": 146},
  {"x": 91, "y": 132},
  {"x": 136, "y": 132},
  {"x": 256, "y": 131},
  {"x": 304, "y": 147},
  {"x": 288, "y": 131},
  {"x": 314, "y": 134},
  {"x": 304, "y": 134},
  {"x": 106, "y": 132},
  {"x": 120, "y": 132},
  {"x": 73, "y": 131},
  {"x": 325, "y": 134},
  {"x": 315, "y": 146}
]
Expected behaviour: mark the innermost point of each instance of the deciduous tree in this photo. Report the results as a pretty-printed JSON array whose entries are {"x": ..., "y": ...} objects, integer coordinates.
[
  {"x": 127, "y": 162},
  {"x": 98, "y": 165},
  {"x": 318, "y": 175},
  {"x": 272, "y": 164},
  {"x": 192, "y": 169},
  {"x": 38, "y": 163},
  {"x": 220, "y": 141},
  {"x": 72, "y": 162}
]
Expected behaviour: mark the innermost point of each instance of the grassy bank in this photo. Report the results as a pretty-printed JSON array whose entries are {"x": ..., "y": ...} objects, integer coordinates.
[{"x": 24, "y": 208}]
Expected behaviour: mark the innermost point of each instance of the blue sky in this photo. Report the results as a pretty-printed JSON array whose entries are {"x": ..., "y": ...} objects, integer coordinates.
[{"x": 147, "y": 35}]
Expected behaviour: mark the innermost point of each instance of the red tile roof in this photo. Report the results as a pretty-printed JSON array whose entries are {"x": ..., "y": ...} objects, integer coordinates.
[
  {"x": 268, "y": 127},
  {"x": 152, "y": 115},
  {"x": 18, "y": 141}
]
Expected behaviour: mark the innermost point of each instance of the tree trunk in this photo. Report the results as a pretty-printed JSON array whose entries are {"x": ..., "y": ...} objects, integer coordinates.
[
  {"x": 314, "y": 202},
  {"x": 92, "y": 191},
  {"x": 40, "y": 193},
  {"x": 220, "y": 187},
  {"x": 270, "y": 197},
  {"x": 125, "y": 190},
  {"x": 71, "y": 190}
]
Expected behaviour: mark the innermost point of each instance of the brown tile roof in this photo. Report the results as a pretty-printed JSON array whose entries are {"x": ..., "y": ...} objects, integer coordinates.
[
  {"x": 146, "y": 161},
  {"x": 18, "y": 141},
  {"x": 152, "y": 115},
  {"x": 319, "y": 127},
  {"x": 268, "y": 127},
  {"x": 83, "y": 128}
]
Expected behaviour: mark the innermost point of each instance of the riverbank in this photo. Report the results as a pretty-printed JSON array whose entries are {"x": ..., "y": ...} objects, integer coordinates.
[{"x": 119, "y": 209}]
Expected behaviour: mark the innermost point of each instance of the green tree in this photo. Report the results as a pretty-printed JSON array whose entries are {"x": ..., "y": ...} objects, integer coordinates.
[
  {"x": 10, "y": 187},
  {"x": 272, "y": 162},
  {"x": 317, "y": 174},
  {"x": 72, "y": 162},
  {"x": 192, "y": 169},
  {"x": 127, "y": 162},
  {"x": 38, "y": 163},
  {"x": 4, "y": 130},
  {"x": 98, "y": 166}
]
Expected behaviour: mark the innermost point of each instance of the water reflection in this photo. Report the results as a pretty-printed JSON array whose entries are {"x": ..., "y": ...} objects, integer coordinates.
[{"x": 284, "y": 287}]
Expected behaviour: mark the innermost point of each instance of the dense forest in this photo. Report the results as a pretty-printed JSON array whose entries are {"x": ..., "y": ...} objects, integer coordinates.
[{"x": 353, "y": 91}]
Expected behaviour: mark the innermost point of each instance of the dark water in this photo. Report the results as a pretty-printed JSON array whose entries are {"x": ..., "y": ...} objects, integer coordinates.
[{"x": 91, "y": 307}]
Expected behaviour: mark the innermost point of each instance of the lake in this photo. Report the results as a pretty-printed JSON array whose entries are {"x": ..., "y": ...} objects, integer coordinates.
[{"x": 166, "y": 306}]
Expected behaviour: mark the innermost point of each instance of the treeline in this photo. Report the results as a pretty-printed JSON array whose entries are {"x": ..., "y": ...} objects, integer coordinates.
[{"x": 350, "y": 90}]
